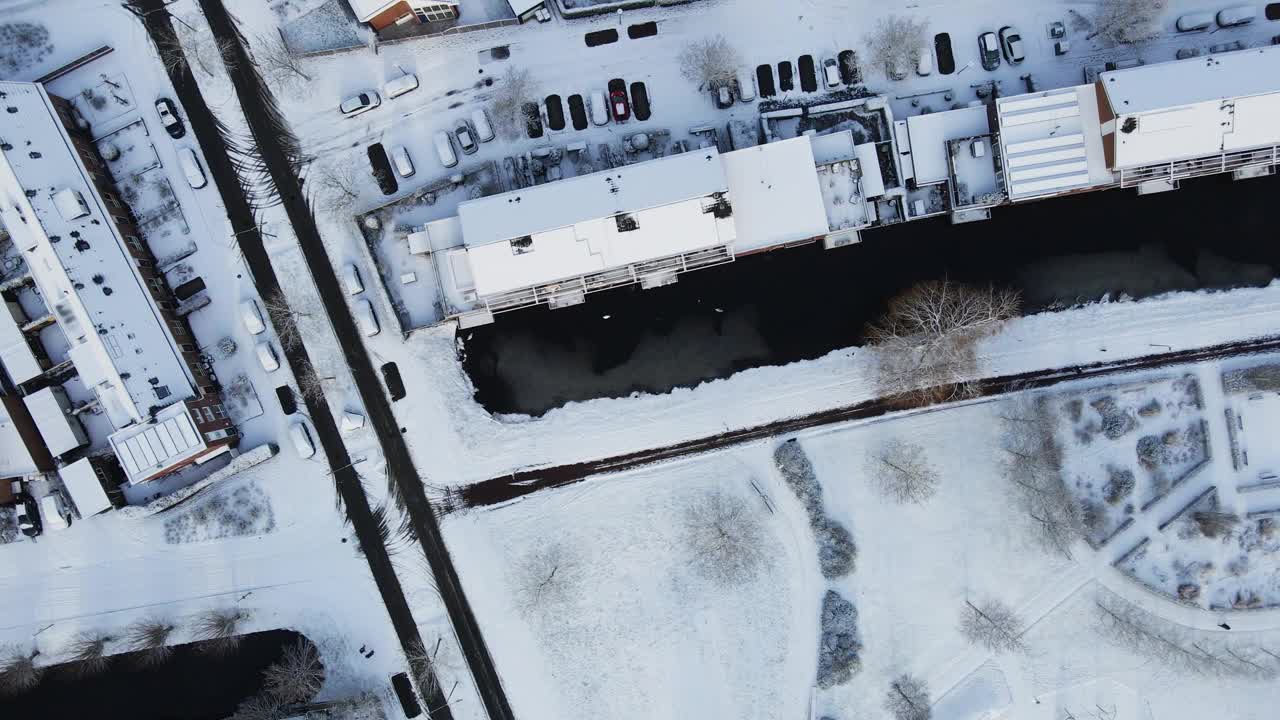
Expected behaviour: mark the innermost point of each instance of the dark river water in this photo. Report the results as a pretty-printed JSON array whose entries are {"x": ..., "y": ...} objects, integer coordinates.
[
  {"x": 789, "y": 305},
  {"x": 190, "y": 685}
]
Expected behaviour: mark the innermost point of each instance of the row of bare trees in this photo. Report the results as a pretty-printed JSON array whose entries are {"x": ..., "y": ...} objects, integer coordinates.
[{"x": 148, "y": 639}]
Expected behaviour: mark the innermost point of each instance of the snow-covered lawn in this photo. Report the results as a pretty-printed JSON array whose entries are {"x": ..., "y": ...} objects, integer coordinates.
[{"x": 606, "y": 599}]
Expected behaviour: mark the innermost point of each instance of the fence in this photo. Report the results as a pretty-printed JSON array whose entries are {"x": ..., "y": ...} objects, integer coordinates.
[
  {"x": 606, "y": 8},
  {"x": 456, "y": 30},
  {"x": 1196, "y": 167}
]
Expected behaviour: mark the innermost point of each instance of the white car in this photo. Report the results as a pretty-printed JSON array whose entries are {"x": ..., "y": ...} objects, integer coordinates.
[
  {"x": 361, "y": 102},
  {"x": 54, "y": 512},
  {"x": 831, "y": 72},
  {"x": 480, "y": 119},
  {"x": 400, "y": 158},
  {"x": 251, "y": 314},
  {"x": 351, "y": 278},
  {"x": 267, "y": 357},
  {"x": 401, "y": 85},
  {"x": 301, "y": 438},
  {"x": 191, "y": 168},
  {"x": 365, "y": 318},
  {"x": 1238, "y": 15}
]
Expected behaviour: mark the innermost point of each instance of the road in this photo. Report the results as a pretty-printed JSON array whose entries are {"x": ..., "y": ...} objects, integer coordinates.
[
  {"x": 206, "y": 129},
  {"x": 524, "y": 482},
  {"x": 272, "y": 138}
]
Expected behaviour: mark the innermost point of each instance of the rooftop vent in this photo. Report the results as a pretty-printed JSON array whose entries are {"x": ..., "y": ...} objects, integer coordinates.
[
  {"x": 70, "y": 204},
  {"x": 522, "y": 245}
]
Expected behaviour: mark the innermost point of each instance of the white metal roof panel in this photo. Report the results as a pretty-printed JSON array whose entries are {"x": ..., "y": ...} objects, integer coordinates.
[
  {"x": 1051, "y": 142},
  {"x": 15, "y": 353},
  {"x": 15, "y": 460},
  {"x": 775, "y": 193},
  {"x": 575, "y": 200},
  {"x": 148, "y": 449},
  {"x": 54, "y": 424},
  {"x": 1196, "y": 80},
  {"x": 84, "y": 488}
]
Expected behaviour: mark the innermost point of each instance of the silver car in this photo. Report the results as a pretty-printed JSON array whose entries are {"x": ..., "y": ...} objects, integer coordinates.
[{"x": 361, "y": 102}]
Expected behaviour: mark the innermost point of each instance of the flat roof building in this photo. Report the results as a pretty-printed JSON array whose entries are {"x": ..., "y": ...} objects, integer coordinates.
[{"x": 1051, "y": 143}]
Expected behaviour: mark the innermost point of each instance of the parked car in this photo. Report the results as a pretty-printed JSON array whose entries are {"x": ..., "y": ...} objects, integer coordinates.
[
  {"x": 1227, "y": 47},
  {"x": 1187, "y": 53},
  {"x": 989, "y": 50},
  {"x": 480, "y": 120},
  {"x": 554, "y": 112},
  {"x": 407, "y": 82},
  {"x": 381, "y": 167},
  {"x": 764, "y": 80},
  {"x": 578, "y": 112},
  {"x": 599, "y": 108},
  {"x": 400, "y": 158},
  {"x": 267, "y": 356},
  {"x": 924, "y": 65},
  {"x": 444, "y": 149},
  {"x": 619, "y": 106},
  {"x": 169, "y": 119},
  {"x": 831, "y": 72},
  {"x": 29, "y": 516},
  {"x": 361, "y": 102},
  {"x": 942, "y": 48},
  {"x": 191, "y": 169},
  {"x": 365, "y": 318},
  {"x": 1194, "y": 22},
  {"x": 251, "y": 315},
  {"x": 301, "y": 438},
  {"x": 53, "y": 510},
  {"x": 723, "y": 95},
  {"x": 808, "y": 74},
  {"x": 640, "y": 101},
  {"x": 1237, "y": 15},
  {"x": 351, "y": 279},
  {"x": 746, "y": 91},
  {"x": 1011, "y": 41},
  {"x": 466, "y": 137}
]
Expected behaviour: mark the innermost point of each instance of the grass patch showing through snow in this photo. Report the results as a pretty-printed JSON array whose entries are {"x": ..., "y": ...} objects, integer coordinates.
[{"x": 246, "y": 510}]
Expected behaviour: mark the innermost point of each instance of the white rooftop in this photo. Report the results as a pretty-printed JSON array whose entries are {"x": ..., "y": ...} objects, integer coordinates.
[
  {"x": 832, "y": 147},
  {"x": 83, "y": 486},
  {"x": 147, "y": 450},
  {"x": 588, "y": 197},
  {"x": 930, "y": 133},
  {"x": 1051, "y": 142},
  {"x": 775, "y": 194},
  {"x": 520, "y": 7},
  {"x": 1186, "y": 82},
  {"x": 365, "y": 10},
  {"x": 15, "y": 460},
  {"x": 55, "y": 425},
  {"x": 119, "y": 343},
  {"x": 15, "y": 353}
]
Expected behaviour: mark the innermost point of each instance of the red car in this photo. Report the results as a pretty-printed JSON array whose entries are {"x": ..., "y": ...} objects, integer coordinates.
[{"x": 618, "y": 102}]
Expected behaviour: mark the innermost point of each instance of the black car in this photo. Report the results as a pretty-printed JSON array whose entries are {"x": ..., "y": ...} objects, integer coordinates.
[
  {"x": 168, "y": 113},
  {"x": 29, "y": 516},
  {"x": 382, "y": 171},
  {"x": 640, "y": 100}
]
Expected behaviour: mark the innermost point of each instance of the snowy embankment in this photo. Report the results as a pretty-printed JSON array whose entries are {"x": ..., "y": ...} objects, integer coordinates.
[{"x": 474, "y": 445}]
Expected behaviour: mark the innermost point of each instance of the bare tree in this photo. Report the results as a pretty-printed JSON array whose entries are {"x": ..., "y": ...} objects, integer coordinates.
[
  {"x": 547, "y": 578},
  {"x": 298, "y": 675},
  {"x": 900, "y": 470},
  {"x": 423, "y": 662},
  {"x": 908, "y": 698},
  {"x": 281, "y": 68},
  {"x": 726, "y": 537},
  {"x": 200, "y": 48},
  {"x": 926, "y": 341},
  {"x": 220, "y": 629},
  {"x": 336, "y": 185},
  {"x": 1129, "y": 21},
  {"x": 284, "y": 319},
  {"x": 1032, "y": 465},
  {"x": 150, "y": 637},
  {"x": 895, "y": 43},
  {"x": 993, "y": 625},
  {"x": 514, "y": 87},
  {"x": 263, "y": 706},
  {"x": 18, "y": 671},
  {"x": 709, "y": 62},
  {"x": 88, "y": 653}
]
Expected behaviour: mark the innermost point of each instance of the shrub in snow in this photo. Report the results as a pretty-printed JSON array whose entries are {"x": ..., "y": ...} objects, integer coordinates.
[
  {"x": 150, "y": 638},
  {"x": 8, "y": 524},
  {"x": 1119, "y": 485},
  {"x": 88, "y": 653},
  {"x": 901, "y": 471},
  {"x": 18, "y": 671},
  {"x": 836, "y": 551},
  {"x": 1116, "y": 422},
  {"x": 991, "y": 624},
  {"x": 22, "y": 44},
  {"x": 298, "y": 675},
  {"x": 798, "y": 472},
  {"x": 726, "y": 538},
  {"x": 243, "y": 511},
  {"x": 220, "y": 629},
  {"x": 908, "y": 698},
  {"x": 839, "y": 647}
]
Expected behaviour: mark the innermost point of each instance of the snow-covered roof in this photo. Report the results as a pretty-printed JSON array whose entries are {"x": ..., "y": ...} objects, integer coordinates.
[
  {"x": 54, "y": 423},
  {"x": 1187, "y": 82},
  {"x": 1051, "y": 142},
  {"x": 148, "y": 450},
  {"x": 598, "y": 244},
  {"x": 15, "y": 459},
  {"x": 119, "y": 342},
  {"x": 869, "y": 166},
  {"x": 775, "y": 194},
  {"x": 930, "y": 133},
  {"x": 589, "y": 197},
  {"x": 82, "y": 484},
  {"x": 832, "y": 147},
  {"x": 520, "y": 7},
  {"x": 15, "y": 354},
  {"x": 365, "y": 10}
]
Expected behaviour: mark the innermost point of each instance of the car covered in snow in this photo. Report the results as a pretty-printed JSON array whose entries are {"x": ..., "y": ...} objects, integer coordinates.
[
  {"x": 191, "y": 169},
  {"x": 466, "y": 137},
  {"x": 29, "y": 516},
  {"x": 444, "y": 149},
  {"x": 169, "y": 119},
  {"x": 400, "y": 158},
  {"x": 723, "y": 96},
  {"x": 831, "y": 72},
  {"x": 251, "y": 316},
  {"x": 301, "y": 437},
  {"x": 54, "y": 511},
  {"x": 267, "y": 357},
  {"x": 406, "y": 83},
  {"x": 1237, "y": 15},
  {"x": 599, "y": 108},
  {"x": 1011, "y": 42},
  {"x": 480, "y": 121},
  {"x": 1194, "y": 22},
  {"x": 361, "y": 102},
  {"x": 365, "y": 318},
  {"x": 351, "y": 279},
  {"x": 989, "y": 50}
]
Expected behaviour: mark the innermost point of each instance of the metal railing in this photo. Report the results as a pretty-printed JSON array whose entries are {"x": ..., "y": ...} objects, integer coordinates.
[
  {"x": 1196, "y": 167},
  {"x": 606, "y": 279}
]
